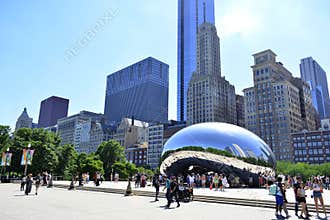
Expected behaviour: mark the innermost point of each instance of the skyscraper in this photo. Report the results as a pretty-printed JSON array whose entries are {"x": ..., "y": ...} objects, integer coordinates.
[
  {"x": 52, "y": 109},
  {"x": 23, "y": 121},
  {"x": 316, "y": 77},
  {"x": 191, "y": 13},
  {"x": 139, "y": 91},
  {"x": 210, "y": 97},
  {"x": 277, "y": 105}
]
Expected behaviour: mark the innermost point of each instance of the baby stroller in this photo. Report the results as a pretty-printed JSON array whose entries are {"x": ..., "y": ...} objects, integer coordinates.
[{"x": 185, "y": 193}]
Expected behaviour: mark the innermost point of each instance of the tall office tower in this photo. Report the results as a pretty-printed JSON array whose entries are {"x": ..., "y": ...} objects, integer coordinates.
[
  {"x": 277, "y": 105},
  {"x": 309, "y": 114},
  {"x": 191, "y": 13},
  {"x": 139, "y": 91},
  {"x": 210, "y": 97},
  {"x": 316, "y": 77},
  {"x": 23, "y": 121},
  {"x": 52, "y": 109}
]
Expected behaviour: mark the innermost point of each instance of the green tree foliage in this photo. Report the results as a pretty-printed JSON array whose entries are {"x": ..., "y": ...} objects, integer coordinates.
[
  {"x": 89, "y": 163},
  {"x": 124, "y": 169},
  {"x": 44, "y": 143},
  {"x": 145, "y": 171},
  {"x": 302, "y": 169},
  {"x": 67, "y": 161},
  {"x": 110, "y": 152},
  {"x": 4, "y": 138}
]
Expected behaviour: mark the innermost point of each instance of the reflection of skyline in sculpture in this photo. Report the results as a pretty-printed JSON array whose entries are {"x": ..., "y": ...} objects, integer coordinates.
[
  {"x": 235, "y": 150},
  {"x": 200, "y": 148},
  {"x": 222, "y": 136}
]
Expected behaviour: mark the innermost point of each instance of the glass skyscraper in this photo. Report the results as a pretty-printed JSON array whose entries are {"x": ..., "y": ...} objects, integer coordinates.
[
  {"x": 316, "y": 77},
  {"x": 191, "y": 13},
  {"x": 140, "y": 91}
]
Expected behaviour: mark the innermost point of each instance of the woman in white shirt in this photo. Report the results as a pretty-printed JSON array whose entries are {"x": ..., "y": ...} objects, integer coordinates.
[{"x": 317, "y": 194}]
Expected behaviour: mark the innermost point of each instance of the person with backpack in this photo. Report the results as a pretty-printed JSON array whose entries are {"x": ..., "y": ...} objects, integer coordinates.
[
  {"x": 276, "y": 189},
  {"x": 156, "y": 184}
]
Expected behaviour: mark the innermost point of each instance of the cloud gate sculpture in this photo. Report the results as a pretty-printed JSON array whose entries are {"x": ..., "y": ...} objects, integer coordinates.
[{"x": 220, "y": 148}]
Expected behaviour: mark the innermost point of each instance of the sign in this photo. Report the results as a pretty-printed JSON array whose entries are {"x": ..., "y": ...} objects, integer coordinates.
[
  {"x": 27, "y": 157},
  {"x": 6, "y": 159}
]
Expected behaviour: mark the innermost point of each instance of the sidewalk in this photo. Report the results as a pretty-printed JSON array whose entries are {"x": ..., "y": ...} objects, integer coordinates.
[{"x": 242, "y": 193}]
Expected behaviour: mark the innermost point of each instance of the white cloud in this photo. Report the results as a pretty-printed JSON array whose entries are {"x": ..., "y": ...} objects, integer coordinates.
[{"x": 239, "y": 17}]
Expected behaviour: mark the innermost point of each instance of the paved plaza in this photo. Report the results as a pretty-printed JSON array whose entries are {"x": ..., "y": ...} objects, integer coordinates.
[{"x": 80, "y": 205}]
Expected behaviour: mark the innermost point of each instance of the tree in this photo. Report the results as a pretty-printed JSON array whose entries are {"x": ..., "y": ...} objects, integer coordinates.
[
  {"x": 44, "y": 143},
  {"x": 88, "y": 163},
  {"x": 67, "y": 165},
  {"x": 124, "y": 169},
  {"x": 110, "y": 152},
  {"x": 4, "y": 137}
]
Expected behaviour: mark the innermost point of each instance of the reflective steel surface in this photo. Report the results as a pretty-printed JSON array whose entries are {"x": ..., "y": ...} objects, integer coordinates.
[{"x": 234, "y": 139}]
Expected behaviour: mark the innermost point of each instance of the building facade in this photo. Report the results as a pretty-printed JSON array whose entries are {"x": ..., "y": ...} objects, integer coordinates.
[
  {"x": 312, "y": 147},
  {"x": 158, "y": 134},
  {"x": 316, "y": 77},
  {"x": 24, "y": 121},
  {"x": 131, "y": 131},
  {"x": 139, "y": 91},
  {"x": 52, "y": 109},
  {"x": 309, "y": 115},
  {"x": 240, "y": 110},
  {"x": 85, "y": 131},
  {"x": 210, "y": 97},
  {"x": 190, "y": 15},
  {"x": 137, "y": 154},
  {"x": 273, "y": 106}
]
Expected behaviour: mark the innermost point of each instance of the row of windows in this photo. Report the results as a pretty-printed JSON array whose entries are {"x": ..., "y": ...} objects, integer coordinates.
[{"x": 261, "y": 71}]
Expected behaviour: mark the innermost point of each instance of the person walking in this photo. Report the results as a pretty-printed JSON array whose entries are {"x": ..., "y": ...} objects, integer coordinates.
[
  {"x": 317, "y": 195},
  {"x": 28, "y": 186},
  {"x": 168, "y": 191},
  {"x": 279, "y": 198},
  {"x": 50, "y": 181},
  {"x": 38, "y": 182},
  {"x": 23, "y": 181},
  {"x": 299, "y": 200},
  {"x": 155, "y": 183},
  {"x": 73, "y": 181},
  {"x": 302, "y": 200},
  {"x": 174, "y": 192}
]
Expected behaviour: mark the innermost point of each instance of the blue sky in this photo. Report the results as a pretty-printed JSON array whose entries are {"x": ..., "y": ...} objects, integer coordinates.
[{"x": 36, "y": 36}]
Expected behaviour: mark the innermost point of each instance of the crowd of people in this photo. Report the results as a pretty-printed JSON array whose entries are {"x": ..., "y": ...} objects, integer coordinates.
[
  {"x": 315, "y": 184},
  {"x": 180, "y": 188},
  {"x": 44, "y": 179}
]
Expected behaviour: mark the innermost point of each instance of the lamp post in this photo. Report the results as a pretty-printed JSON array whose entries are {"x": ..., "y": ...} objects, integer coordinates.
[{"x": 25, "y": 168}]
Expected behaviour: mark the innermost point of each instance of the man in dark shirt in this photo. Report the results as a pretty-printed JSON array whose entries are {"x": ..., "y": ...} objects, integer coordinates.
[
  {"x": 155, "y": 183},
  {"x": 174, "y": 191}
]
